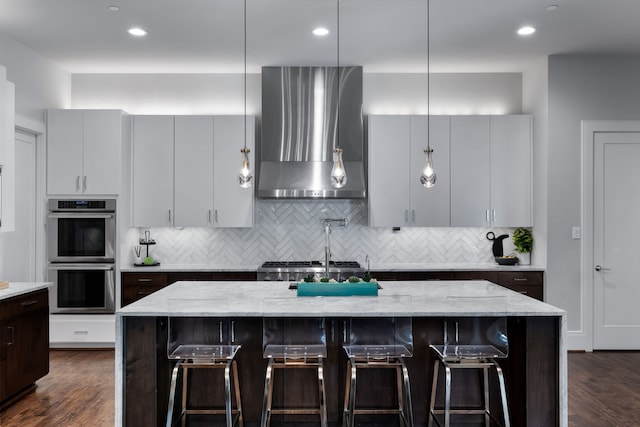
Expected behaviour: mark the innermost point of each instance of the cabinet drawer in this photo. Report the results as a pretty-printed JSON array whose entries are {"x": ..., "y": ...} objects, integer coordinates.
[
  {"x": 145, "y": 279},
  {"x": 188, "y": 276},
  {"x": 69, "y": 331},
  {"x": 520, "y": 278},
  {"x": 530, "y": 291},
  {"x": 24, "y": 304}
]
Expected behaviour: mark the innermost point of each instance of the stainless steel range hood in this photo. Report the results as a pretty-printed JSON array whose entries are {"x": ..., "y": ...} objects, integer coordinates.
[{"x": 301, "y": 127}]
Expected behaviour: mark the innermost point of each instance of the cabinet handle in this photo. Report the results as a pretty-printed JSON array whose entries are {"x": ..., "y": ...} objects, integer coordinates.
[
  {"x": 169, "y": 216},
  {"x": 523, "y": 292},
  {"x": 84, "y": 183},
  {"x": 519, "y": 279},
  {"x": 233, "y": 331},
  {"x": 216, "y": 216},
  {"x": 144, "y": 293},
  {"x": 486, "y": 215},
  {"x": 413, "y": 215},
  {"x": 209, "y": 216},
  {"x": 145, "y": 280},
  {"x": 493, "y": 214},
  {"x": 10, "y": 341},
  {"x": 406, "y": 215},
  {"x": 28, "y": 303},
  {"x": 220, "y": 330},
  {"x": 333, "y": 331},
  {"x": 77, "y": 183},
  {"x": 344, "y": 332}
]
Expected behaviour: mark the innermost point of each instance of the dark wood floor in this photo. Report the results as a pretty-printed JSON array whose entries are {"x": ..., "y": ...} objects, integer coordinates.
[{"x": 604, "y": 390}]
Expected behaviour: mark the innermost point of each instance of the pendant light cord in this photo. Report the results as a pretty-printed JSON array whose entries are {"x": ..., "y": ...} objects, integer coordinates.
[
  {"x": 428, "y": 78},
  {"x": 338, "y": 72},
  {"x": 245, "y": 73}
]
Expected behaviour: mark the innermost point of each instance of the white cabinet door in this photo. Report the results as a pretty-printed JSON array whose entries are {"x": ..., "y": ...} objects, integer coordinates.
[
  {"x": 64, "y": 151},
  {"x": 193, "y": 198},
  {"x": 430, "y": 207},
  {"x": 511, "y": 171},
  {"x": 389, "y": 174},
  {"x": 152, "y": 171},
  {"x": 233, "y": 204},
  {"x": 470, "y": 171},
  {"x": 101, "y": 151}
]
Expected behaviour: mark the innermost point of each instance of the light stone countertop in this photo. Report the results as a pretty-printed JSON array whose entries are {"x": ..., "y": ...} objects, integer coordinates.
[
  {"x": 426, "y": 266},
  {"x": 268, "y": 299},
  {"x": 20, "y": 288}
]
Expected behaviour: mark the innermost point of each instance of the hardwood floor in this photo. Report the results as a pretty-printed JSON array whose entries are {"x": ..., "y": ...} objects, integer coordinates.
[{"x": 604, "y": 390}]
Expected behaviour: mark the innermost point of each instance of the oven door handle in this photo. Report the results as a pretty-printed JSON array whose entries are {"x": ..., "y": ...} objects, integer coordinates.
[
  {"x": 104, "y": 267},
  {"x": 66, "y": 215}
]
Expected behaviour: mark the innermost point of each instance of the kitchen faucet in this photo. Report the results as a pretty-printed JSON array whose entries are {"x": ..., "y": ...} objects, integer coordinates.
[{"x": 328, "y": 223}]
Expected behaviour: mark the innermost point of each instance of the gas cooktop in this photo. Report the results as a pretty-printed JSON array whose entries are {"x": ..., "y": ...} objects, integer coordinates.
[{"x": 297, "y": 270}]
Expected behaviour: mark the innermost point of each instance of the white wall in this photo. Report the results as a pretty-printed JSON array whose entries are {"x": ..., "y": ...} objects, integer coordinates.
[
  {"x": 39, "y": 83},
  {"x": 535, "y": 102},
  {"x": 580, "y": 88},
  {"x": 472, "y": 93}
]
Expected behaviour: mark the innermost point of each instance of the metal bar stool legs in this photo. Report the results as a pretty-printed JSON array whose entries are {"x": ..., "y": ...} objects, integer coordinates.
[
  {"x": 230, "y": 369},
  {"x": 447, "y": 411},
  {"x": 267, "y": 409}
]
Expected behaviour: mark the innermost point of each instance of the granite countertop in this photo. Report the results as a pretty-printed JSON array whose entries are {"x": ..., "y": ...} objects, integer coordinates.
[
  {"x": 452, "y": 266},
  {"x": 267, "y": 299},
  {"x": 19, "y": 288}
]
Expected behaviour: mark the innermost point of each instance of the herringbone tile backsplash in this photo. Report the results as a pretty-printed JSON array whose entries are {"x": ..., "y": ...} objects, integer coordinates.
[{"x": 292, "y": 230}]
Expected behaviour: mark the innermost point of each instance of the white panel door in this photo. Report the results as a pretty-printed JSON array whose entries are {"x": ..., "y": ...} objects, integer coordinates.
[
  {"x": 193, "y": 197},
  {"x": 102, "y": 152},
  {"x": 152, "y": 171},
  {"x": 430, "y": 207},
  {"x": 233, "y": 205},
  {"x": 389, "y": 171},
  {"x": 64, "y": 151},
  {"x": 615, "y": 242},
  {"x": 470, "y": 171},
  {"x": 511, "y": 171}
]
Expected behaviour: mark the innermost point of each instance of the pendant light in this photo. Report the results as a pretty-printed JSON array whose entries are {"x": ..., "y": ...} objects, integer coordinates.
[
  {"x": 338, "y": 172},
  {"x": 428, "y": 176},
  {"x": 245, "y": 177}
]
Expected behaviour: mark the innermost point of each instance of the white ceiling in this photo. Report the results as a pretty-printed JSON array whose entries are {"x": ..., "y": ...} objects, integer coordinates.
[{"x": 206, "y": 36}]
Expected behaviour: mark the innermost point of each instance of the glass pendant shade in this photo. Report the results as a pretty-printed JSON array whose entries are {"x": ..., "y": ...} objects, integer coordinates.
[
  {"x": 428, "y": 177},
  {"x": 245, "y": 176},
  {"x": 338, "y": 174}
]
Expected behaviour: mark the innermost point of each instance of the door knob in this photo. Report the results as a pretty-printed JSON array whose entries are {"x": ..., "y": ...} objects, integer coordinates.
[{"x": 600, "y": 268}]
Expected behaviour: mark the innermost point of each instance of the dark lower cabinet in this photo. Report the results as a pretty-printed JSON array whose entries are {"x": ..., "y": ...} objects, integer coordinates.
[
  {"x": 24, "y": 357},
  {"x": 138, "y": 285},
  {"x": 529, "y": 283}
]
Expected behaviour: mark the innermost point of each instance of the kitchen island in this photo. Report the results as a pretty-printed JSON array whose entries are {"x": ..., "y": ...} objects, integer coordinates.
[{"x": 536, "y": 369}]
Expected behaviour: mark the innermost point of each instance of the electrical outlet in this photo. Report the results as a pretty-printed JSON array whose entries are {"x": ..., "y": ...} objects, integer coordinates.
[{"x": 575, "y": 233}]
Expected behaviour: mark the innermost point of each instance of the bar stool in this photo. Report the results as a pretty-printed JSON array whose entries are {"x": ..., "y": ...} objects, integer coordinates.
[
  {"x": 294, "y": 343},
  {"x": 378, "y": 343},
  {"x": 470, "y": 343},
  {"x": 203, "y": 343}
]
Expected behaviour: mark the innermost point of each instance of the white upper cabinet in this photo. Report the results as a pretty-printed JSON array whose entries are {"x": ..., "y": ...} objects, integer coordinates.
[
  {"x": 511, "y": 174},
  {"x": 152, "y": 171},
  {"x": 193, "y": 197},
  {"x": 7, "y": 154},
  {"x": 491, "y": 171},
  {"x": 84, "y": 151},
  {"x": 233, "y": 204},
  {"x": 396, "y": 159},
  {"x": 430, "y": 207},
  {"x": 185, "y": 169}
]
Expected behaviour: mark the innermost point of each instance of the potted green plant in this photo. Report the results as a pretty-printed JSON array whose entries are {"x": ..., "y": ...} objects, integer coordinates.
[{"x": 523, "y": 242}]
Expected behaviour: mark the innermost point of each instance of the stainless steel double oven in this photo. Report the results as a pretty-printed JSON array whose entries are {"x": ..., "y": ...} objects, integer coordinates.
[{"x": 81, "y": 246}]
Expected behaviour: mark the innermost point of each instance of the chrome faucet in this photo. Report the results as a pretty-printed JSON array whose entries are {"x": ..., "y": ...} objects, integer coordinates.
[{"x": 328, "y": 223}]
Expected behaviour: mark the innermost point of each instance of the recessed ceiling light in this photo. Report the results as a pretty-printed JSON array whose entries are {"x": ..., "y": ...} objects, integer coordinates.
[
  {"x": 552, "y": 7},
  {"x": 114, "y": 8},
  {"x": 135, "y": 31},
  {"x": 526, "y": 31},
  {"x": 320, "y": 31}
]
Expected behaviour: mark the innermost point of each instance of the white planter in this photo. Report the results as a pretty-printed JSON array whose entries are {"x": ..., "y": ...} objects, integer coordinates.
[{"x": 524, "y": 258}]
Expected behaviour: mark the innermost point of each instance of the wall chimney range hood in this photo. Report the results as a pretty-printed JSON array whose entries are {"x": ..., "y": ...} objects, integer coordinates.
[{"x": 302, "y": 124}]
